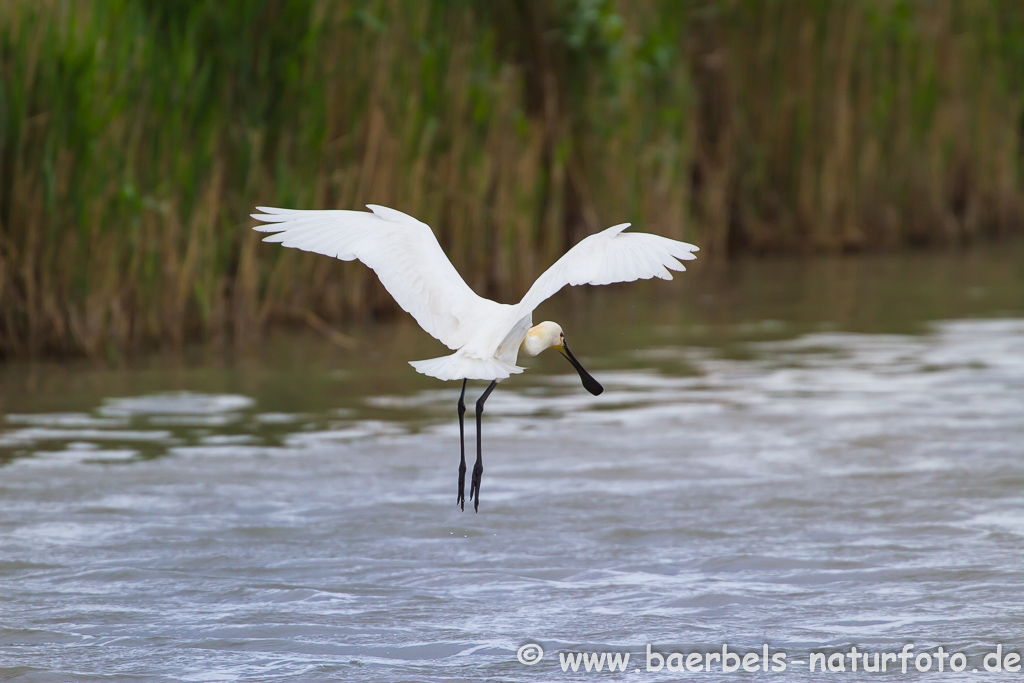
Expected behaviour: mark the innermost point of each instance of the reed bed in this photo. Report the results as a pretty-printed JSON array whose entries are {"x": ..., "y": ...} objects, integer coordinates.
[{"x": 136, "y": 136}]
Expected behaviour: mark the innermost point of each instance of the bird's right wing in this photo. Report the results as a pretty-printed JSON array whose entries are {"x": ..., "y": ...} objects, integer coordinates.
[
  {"x": 610, "y": 256},
  {"x": 400, "y": 249}
]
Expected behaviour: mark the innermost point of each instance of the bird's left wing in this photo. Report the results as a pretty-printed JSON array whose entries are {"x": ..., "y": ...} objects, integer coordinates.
[
  {"x": 400, "y": 249},
  {"x": 610, "y": 256}
]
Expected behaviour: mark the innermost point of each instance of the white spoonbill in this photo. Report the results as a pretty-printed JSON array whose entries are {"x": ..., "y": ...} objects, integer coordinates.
[{"x": 486, "y": 336}]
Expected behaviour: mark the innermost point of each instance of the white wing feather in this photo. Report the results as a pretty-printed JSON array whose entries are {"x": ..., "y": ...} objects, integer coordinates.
[
  {"x": 402, "y": 251},
  {"x": 610, "y": 256}
]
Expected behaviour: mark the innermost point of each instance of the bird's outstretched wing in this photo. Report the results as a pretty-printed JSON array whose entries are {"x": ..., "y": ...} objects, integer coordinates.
[
  {"x": 400, "y": 249},
  {"x": 610, "y": 256}
]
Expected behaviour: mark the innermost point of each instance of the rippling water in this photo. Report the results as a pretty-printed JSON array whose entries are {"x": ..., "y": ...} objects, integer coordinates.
[{"x": 769, "y": 476}]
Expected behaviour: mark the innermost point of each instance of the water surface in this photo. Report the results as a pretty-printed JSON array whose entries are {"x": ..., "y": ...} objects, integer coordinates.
[{"x": 812, "y": 456}]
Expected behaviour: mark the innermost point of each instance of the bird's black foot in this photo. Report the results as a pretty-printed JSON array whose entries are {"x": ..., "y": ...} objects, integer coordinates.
[
  {"x": 478, "y": 468},
  {"x": 474, "y": 487},
  {"x": 461, "y": 499}
]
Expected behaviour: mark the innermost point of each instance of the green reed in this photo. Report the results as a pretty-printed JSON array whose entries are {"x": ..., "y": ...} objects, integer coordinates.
[{"x": 136, "y": 136}]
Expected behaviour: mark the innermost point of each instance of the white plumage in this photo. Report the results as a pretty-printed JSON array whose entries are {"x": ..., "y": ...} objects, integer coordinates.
[{"x": 485, "y": 335}]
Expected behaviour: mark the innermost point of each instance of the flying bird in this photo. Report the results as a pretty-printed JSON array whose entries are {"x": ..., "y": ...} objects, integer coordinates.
[{"x": 487, "y": 337}]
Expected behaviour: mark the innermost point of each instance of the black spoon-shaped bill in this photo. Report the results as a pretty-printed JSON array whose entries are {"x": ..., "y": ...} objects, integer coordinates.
[{"x": 589, "y": 383}]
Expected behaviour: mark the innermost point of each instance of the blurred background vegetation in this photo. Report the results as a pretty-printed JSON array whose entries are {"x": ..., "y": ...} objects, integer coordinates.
[{"x": 137, "y": 135}]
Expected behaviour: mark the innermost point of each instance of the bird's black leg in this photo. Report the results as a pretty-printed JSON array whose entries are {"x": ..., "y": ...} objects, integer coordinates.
[
  {"x": 478, "y": 468},
  {"x": 461, "y": 500}
]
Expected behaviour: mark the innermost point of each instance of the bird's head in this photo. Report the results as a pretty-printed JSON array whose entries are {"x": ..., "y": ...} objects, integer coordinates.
[
  {"x": 548, "y": 335},
  {"x": 543, "y": 336}
]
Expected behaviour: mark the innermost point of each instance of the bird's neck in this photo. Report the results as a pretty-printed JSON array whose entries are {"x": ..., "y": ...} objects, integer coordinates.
[{"x": 532, "y": 345}]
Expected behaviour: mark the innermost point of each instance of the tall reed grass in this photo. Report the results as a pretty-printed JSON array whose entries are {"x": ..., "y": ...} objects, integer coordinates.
[{"x": 136, "y": 135}]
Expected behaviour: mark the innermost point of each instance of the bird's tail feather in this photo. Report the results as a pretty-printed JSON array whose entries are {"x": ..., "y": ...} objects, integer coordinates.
[{"x": 461, "y": 366}]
